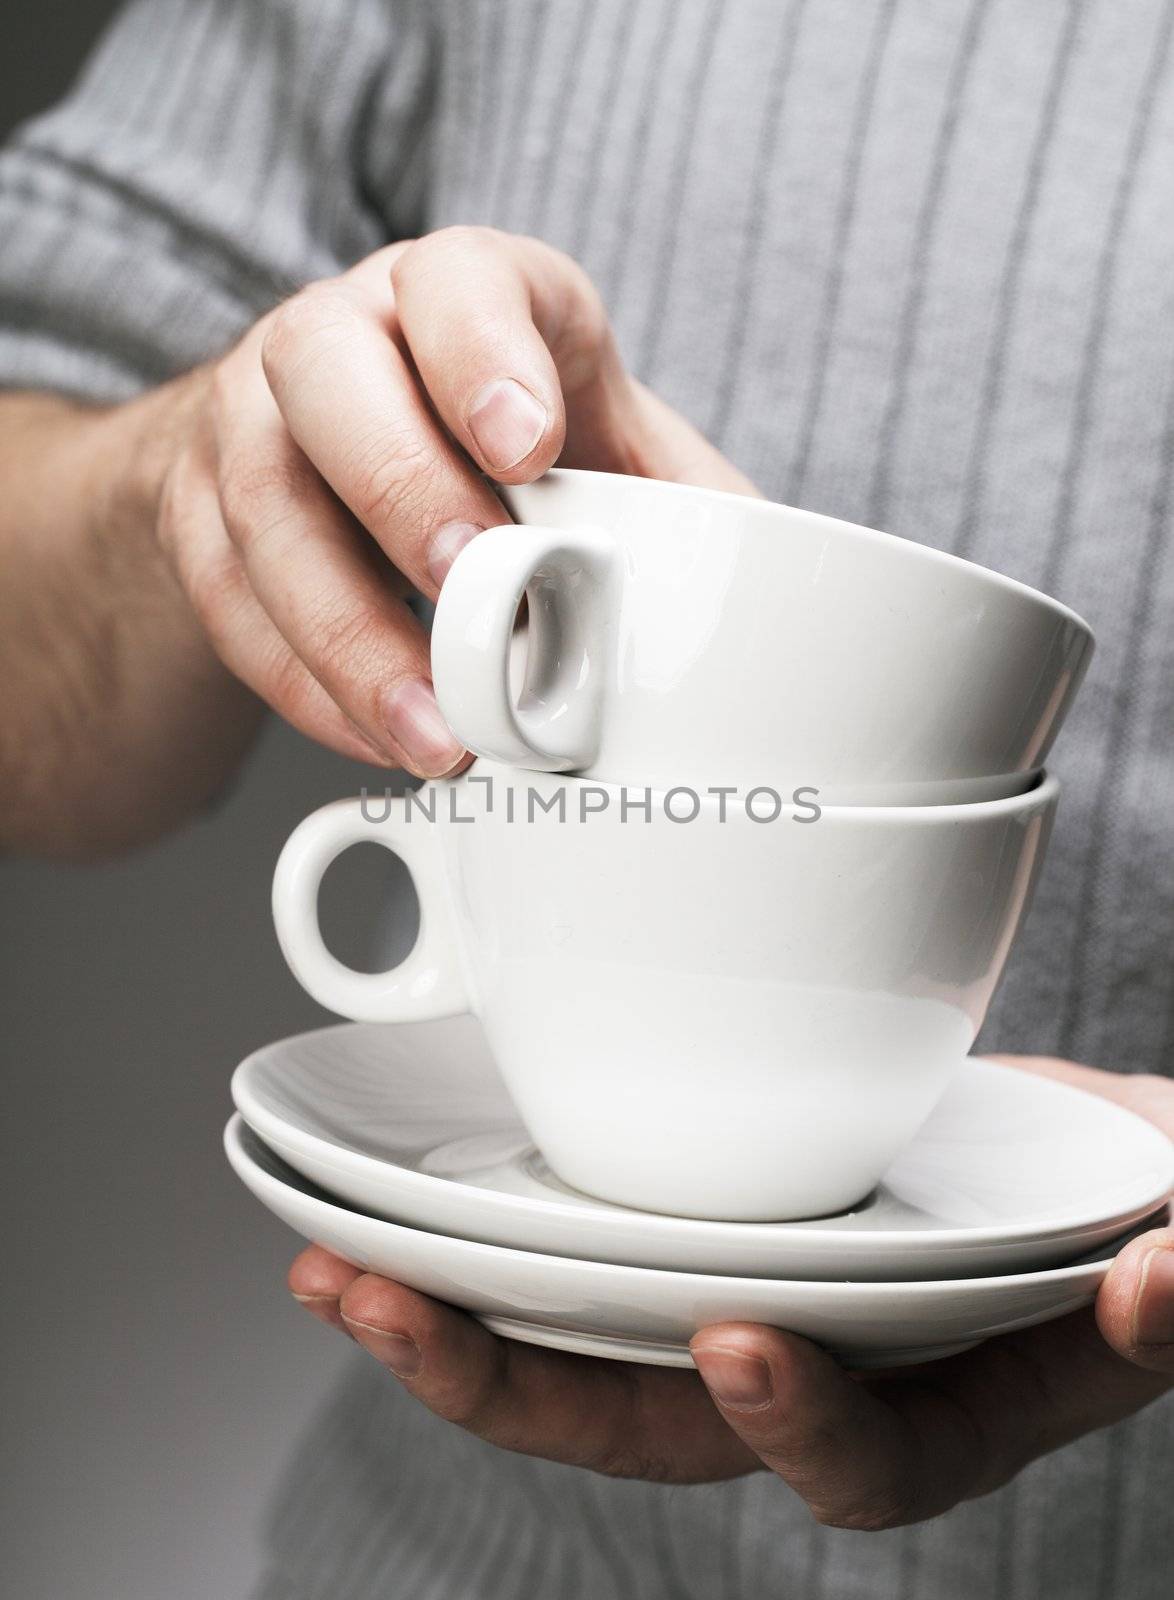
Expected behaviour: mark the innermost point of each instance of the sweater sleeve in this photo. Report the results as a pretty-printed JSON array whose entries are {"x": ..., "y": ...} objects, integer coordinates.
[{"x": 212, "y": 156}]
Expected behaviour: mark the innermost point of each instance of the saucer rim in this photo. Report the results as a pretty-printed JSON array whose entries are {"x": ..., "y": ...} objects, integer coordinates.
[
  {"x": 624, "y": 1218},
  {"x": 664, "y": 1353},
  {"x": 831, "y": 1290}
]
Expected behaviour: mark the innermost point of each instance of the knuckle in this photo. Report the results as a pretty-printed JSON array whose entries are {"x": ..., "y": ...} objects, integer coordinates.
[
  {"x": 392, "y": 478},
  {"x": 258, "y": 494},
  {"x": 891, "y": 1508},
  {"x": 471, "y": 1408},
  {"x": 460, "y": 238},
  {"x": 627, "y": 1461},
  {"x": 475, "y": 1403},
  {"x": 385, "y": 258},
  {"x": 347, "y": 644},
  {"x": 315, "y": 318},
  {"x": 288, "y": 687},
  {"x": 627, "y": 1449},
  {"x": 444, "y": 248},
  {"x": 215, "y": 586}
]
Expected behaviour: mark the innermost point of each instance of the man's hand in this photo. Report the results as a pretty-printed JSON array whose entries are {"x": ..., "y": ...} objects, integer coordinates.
[
  {"x": 335, "y": 464},
  {"x": 248, "y": 533},
  {"x": 864, "y": 1451}
]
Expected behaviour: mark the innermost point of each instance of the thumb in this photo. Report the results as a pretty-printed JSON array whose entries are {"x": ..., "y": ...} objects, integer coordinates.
[
  {"x": 855, "y": 1460},
  {"x": 1135, "y": 1306}
]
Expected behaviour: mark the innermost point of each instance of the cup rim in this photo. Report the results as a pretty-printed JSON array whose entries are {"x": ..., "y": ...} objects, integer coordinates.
[
  {"x": 820, "y": 520},
  {"x": 1041, "y": 793}
]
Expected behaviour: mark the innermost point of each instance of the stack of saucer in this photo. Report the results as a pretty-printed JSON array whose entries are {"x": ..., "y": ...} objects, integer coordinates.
[
  {"x": 398, "y": 1147},
  {"x": 684, "y": 1036}
]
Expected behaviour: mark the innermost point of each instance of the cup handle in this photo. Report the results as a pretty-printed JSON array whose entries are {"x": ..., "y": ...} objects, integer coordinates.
[
  {"x": 566, "y": 574},
  {"x": 428, "y": 982}
]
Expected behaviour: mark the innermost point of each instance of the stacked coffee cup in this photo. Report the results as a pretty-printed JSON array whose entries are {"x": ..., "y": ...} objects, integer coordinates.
[{"x": 758, "y": 811}]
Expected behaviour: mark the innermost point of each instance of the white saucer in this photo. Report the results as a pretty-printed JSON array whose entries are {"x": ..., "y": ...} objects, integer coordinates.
[
  {"x": 653, "y": 1354},
  {"x": 646, "y": 1315},
  {"x": 411, "y": 1122}
]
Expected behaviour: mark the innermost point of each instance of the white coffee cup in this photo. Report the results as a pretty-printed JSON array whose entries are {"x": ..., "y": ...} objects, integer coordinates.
[
  {"x": 686, "y": 636},
  {"x": 741, "y": 1019}
]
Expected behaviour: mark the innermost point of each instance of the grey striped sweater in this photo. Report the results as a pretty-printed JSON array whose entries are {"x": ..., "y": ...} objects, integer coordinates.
[{"x": 909, "y": 262}]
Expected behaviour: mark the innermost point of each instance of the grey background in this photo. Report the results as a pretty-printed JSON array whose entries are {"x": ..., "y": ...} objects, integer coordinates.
[{"x": 153, "y": 1371}]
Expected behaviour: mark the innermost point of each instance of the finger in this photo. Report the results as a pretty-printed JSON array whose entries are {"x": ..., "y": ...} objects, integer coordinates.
[
  {"x": 209, "y": 568},
  {"x": 499, "y": 328},
  {"x": 880, "y": 1451},
  {"x": 625, "y": 1420},
  {"x": 321, "y": 581},
  {"x": 352, "y": 403},
  {"x": 513, "y": 343},
  {"x": 317, "y": 1280},
  {"x": 854, "y": 1459},
  {"x": 1135, "y": 1306}
]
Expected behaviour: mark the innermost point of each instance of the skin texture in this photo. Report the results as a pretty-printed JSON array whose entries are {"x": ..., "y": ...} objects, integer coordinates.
[
  {"x": 118, "y": 720},
  {"x": 866, "y": 1452},
  {"x": 247, "y": 535}
]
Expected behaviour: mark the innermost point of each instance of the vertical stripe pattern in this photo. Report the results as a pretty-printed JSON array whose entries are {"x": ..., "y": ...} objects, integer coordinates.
[
  {"x": 909, "y": 317},
  {"x": 1003, "y": 324},
  {"x": 841, "y": 234}
]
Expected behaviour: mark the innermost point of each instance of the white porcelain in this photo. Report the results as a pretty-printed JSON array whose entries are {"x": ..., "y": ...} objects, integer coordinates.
[
  {"x": 563, "y": 1301},
  {"x": 732, "y": 1019},
  {"x": 686, "y": 636},
  {"x": 412, "y": 1122}
]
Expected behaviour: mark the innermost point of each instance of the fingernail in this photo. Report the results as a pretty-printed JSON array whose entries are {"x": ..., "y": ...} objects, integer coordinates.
[
  {"x": 507, "y": 422},
  {"x": 325, "y": 1308},
  {"x": 413, "y": 719},
  {"x": 739, "y": 1381},
  {"x": 1153, "y": 1314},
  {"x": 395, "y": 1350},
  {"x": 446, "y": 546}
]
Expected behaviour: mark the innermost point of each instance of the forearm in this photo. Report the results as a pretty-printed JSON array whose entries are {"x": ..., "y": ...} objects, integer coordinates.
[{"x": 118, "y": 721}]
